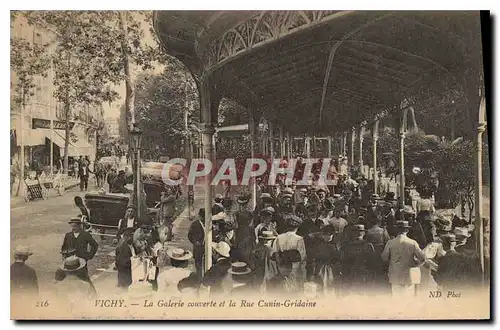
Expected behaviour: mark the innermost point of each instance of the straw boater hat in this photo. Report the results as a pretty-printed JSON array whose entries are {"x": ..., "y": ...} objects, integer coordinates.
[
  {"x": 239, "y": 268},
  {"x": 336, "y": 196},
  {"x": 222, "y": 248},
  {"x": 22, "y": 250},
  {"x": 287, "y": 192},
  {"x": 73, "y": 263},
  {"x": 375, "y": 196},
  {"x": 179, "y": 254},
  {"x": 402, "y": 224},
  {"x": 266, "y": 196},
  {"x": 267, "y": 235},
  {"x": 358, "y": 228},
  {"x": 76, "y": 220}
]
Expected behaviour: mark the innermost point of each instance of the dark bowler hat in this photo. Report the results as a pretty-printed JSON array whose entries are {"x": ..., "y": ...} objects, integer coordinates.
[
  {"x": 121, "y": 172},
  {"x": 239, "y": 268},
  {"x": 389, "y": 195},
  {"x": 76, "y": 220}
]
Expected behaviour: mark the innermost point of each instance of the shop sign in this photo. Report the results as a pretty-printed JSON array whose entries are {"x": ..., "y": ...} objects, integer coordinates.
[{"x": 45, "y": 123}]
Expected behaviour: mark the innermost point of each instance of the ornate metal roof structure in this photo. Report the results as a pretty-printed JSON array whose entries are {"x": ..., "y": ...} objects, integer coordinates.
[{"x": 318, "y": 66}]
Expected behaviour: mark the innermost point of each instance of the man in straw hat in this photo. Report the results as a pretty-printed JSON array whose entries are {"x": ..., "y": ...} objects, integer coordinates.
[
  {"x": 169, "y": 279},
  {"x": 241, "y": 278},
  {"x": 75, "y": 289},
  {"x": 23, "y": 280},
  {"x": 404, "y": 257},
  {"x": 80, "y": 240},
  {"x": 215, "y": 276}
]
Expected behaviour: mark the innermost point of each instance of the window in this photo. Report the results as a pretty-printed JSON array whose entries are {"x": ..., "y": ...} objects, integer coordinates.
[{"x": 37, "y": 38}]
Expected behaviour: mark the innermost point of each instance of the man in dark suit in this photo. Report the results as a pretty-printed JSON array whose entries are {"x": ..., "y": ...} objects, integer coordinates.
[
  {"x": 83, "y": 173},
  {"x": 80, "y": 240},
  {"x": 23, "y": 280}
]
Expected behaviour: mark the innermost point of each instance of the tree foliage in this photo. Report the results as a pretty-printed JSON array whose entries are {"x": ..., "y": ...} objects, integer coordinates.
[
  {"x": 27, "y": 60},
  {"x": 162, "y": 102},
  {"x": 89, "y": 58}
]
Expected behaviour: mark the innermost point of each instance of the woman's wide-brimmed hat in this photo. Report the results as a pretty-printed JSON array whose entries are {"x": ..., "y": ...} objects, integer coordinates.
[
  {"x": 461, "y": 231},
  {"x": 179, "y": 254},
  {"x": 73, "y": 263},
  {"x": 293, "y": 220},
  {"x": 267, "y": 234},
  {"x": 239, "y": 268},
  {"x": 222, "y": 248},
  {"x": 407, "y": 209},
  {"x": 449, "y": 237},
  {"x": 443, "y": 224}
]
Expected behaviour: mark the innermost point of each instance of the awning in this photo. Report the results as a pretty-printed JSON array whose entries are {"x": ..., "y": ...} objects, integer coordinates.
[
  {"x": 31, "y": 137},
  {"x": 79, "y": 148}
]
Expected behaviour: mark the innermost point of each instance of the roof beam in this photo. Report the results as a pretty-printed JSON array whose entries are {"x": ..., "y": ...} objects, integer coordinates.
[
  {"x": 380, "y": 59},
  {"x": 378, "y": 66},
  {"x": 334, "y": 49},
  {"x": 370, "y": 73},
  {"x": 280, "y": 72}
]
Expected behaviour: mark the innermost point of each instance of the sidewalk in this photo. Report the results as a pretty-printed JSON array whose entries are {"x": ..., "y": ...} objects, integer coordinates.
[{"x": 19, "y": 200}]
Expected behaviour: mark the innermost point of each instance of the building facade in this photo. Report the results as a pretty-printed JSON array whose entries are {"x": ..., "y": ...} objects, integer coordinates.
[{"x": 42, "y": 129}]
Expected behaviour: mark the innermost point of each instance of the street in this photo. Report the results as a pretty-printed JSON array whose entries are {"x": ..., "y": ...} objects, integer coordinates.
[{"x": 41, "y": 225}]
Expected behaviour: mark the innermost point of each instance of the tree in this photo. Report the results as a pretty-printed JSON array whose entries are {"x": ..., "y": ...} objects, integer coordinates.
[
  {"x": 27, "y": 60},
  {"x": 167, "y": 109},
  {"x": 93, "y": 53}
]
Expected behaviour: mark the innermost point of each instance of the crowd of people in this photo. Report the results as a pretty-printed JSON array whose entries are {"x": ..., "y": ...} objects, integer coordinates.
[{"x": 312, "y": 239}]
